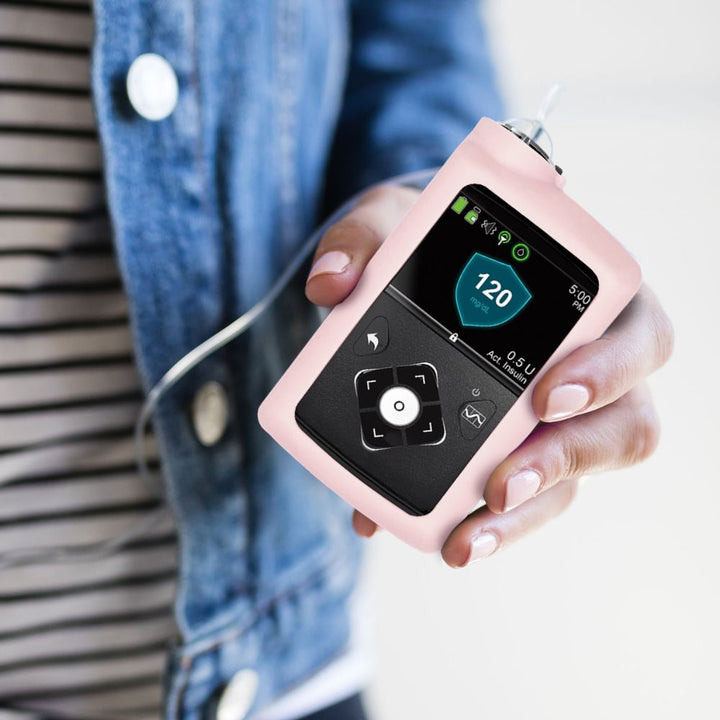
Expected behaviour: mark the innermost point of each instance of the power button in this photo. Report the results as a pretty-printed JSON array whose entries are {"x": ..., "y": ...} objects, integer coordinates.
[{"x": 474, "y": 415}]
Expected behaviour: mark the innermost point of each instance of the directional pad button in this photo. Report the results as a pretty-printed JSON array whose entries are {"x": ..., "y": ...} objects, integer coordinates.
[
  {"x": 429, "y": 429},
  {"x": 370, "y": 385},
  {"x": 422, "y": 378},
  {"x": 399, "y": 406},
  {"x": 377, "y": 435}
]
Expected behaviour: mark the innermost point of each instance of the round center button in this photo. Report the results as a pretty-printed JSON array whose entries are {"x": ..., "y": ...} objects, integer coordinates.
[{"x": 399, "y": 406}]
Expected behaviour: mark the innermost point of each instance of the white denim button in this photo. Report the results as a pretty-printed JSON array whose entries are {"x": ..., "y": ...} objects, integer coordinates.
[
  {"x": 152, "y": 86},
  {"x": 238, "y": 696},
  {"x": 210, "y": 413}
]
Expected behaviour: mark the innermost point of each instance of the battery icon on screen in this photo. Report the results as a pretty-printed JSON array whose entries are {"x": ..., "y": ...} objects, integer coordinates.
[{"x": 460, "y": 204}]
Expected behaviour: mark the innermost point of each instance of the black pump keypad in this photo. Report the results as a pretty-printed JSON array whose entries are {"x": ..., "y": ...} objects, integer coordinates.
[{"x": 413, "y": 450}]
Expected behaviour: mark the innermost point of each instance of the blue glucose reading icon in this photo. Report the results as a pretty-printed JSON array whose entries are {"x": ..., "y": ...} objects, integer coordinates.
[{"x": 489, "y": 293}]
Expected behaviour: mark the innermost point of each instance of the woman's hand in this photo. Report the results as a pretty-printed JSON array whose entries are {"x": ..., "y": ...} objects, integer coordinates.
[
  {"x": 595, "y": 408},
  {"x": 596, "y": 413}
]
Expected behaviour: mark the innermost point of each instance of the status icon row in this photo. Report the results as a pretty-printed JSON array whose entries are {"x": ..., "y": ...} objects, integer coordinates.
[{"x": 520, "y": 251}]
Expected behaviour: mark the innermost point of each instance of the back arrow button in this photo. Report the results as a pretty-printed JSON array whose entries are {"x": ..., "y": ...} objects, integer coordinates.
[{"x": 374, "y": 337}]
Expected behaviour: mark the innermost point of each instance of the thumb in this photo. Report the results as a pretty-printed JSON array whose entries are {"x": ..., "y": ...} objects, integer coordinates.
[{"x": 348, "y": 245}]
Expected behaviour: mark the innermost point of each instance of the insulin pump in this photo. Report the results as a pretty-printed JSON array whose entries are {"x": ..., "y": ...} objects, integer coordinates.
[{"x": 419, "y": 384}]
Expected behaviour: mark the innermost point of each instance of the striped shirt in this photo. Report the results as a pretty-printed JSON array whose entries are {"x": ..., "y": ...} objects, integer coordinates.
[{"x": 79, "y": 639}]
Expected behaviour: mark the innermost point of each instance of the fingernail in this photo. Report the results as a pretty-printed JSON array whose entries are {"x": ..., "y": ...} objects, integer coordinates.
[
  {"x": 521, "y": 487},
  {"x": 331, "y": 263},
  {"x": 482, "y": 545},
  {"x": 566, "y": 400}
]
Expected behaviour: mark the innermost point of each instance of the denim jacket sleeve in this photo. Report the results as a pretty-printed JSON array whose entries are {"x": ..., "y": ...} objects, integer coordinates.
[{"x": 420, "y": 77}]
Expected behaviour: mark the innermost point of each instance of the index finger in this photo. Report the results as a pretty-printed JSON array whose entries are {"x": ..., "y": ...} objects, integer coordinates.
[{"x": 637, "y": 343}]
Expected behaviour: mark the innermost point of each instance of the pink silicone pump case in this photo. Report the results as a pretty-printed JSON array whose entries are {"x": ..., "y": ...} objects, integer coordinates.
[{"x": 490, "y": 156}]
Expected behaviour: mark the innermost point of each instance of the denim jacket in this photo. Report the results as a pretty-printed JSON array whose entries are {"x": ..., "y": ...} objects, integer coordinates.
[{"x": 285, "y": 108}]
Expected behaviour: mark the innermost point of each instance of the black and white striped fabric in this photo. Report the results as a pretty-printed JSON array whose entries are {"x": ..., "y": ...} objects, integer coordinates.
[{"x": 77, "y": 639}]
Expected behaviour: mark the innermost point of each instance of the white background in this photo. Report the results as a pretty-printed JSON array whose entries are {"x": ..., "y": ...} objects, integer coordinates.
[{"x": 613, "y": 611}]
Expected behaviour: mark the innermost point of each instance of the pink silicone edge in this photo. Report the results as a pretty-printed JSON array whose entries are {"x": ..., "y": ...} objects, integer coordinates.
[{"x": 493, "y": 157}]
